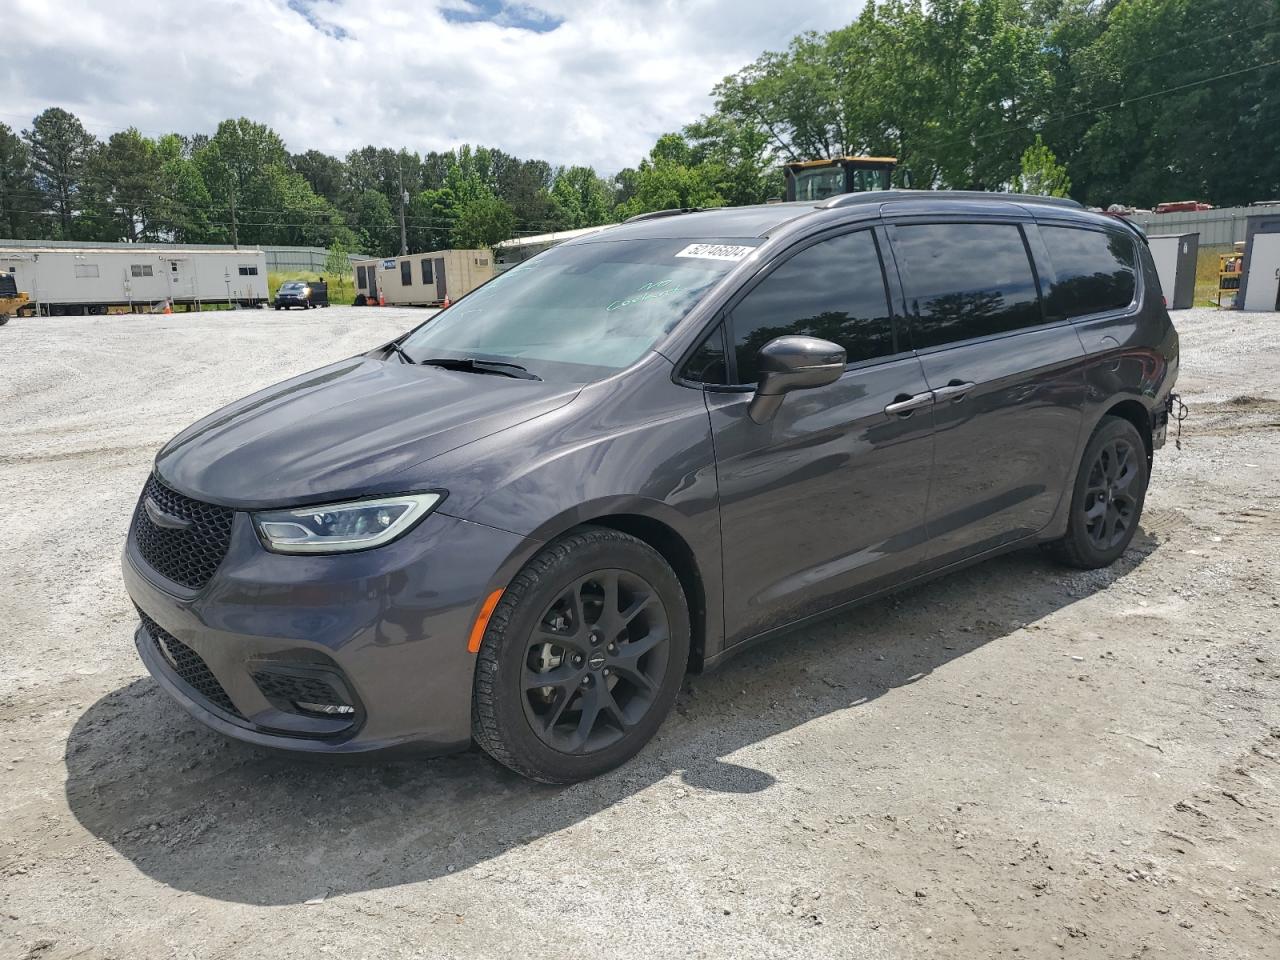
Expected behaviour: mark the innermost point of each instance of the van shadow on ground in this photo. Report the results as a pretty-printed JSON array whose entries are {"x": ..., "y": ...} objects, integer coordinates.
[{"x": 224, "y": 820}]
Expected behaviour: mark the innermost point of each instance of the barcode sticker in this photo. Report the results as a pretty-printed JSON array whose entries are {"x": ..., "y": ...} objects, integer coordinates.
[{"x": 715, "y": 251}]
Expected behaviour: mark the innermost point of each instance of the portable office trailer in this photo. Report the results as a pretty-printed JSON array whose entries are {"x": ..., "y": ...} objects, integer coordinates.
[
  {"x": 1175, "y": 257},
  {"x": 93, "y": 280},
  {"x": 422, "y": 279}
]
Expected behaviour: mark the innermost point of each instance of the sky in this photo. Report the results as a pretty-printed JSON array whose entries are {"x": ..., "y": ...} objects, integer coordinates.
[{"x": 558, "y": 80}]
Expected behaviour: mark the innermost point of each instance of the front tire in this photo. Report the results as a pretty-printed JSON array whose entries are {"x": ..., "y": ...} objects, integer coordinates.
[
  {"x": 582, "y": 658},
  {"x": 1107, "y": 499}
]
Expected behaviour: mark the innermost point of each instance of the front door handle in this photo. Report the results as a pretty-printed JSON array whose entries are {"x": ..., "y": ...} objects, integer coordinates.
[
  {"x": 904, "y": 405},
  {"x": 955, "y": 390}
]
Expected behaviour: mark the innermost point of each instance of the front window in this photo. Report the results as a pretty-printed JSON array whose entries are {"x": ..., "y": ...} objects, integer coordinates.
[
  {"x": 294, "y": 288},
  {"x": 581, "y": 311}
]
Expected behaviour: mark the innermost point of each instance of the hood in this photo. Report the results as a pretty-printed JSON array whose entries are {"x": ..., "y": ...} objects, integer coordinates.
[{"x": 345, "y": 430}]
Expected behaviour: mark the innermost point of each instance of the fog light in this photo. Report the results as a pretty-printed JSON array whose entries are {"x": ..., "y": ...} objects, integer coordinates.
[{"x": 330, "y": 708}]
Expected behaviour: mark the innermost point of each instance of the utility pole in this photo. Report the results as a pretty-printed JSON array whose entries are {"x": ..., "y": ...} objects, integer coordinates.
[
  {"x": 235, "y": 235},
  {"x": 404, "y": 199}
]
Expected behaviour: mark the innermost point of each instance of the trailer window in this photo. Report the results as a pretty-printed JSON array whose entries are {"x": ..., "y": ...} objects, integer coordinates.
[
  {"x": 426, "y": 272},
  {"x": 248, "y": 271},
  {"x": 140, "y": 270},
  {"x": 87, "y": 270},
  {"x": 406, "y": 273},
  {"x": 361, "y": 281}
]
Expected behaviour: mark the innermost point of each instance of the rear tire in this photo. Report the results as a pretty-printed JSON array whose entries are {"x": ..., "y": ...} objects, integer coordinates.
[
  {"x": 582, "y": 658},
  {"x": 1107, "y": 498}
]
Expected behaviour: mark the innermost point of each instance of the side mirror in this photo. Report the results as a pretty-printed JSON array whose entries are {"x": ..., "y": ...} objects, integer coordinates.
[{"x": 793, "y": 363}]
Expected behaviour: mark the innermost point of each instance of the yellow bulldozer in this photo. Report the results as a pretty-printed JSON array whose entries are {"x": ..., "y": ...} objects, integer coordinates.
[{"x": 11, "y": 301}]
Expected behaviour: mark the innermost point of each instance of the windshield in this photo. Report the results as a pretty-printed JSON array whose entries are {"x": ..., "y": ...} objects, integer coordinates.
[
  {"x": 819, "y": 184},
  {"x": 293, "y": 286},
  {"x": 581, "y": 311}
]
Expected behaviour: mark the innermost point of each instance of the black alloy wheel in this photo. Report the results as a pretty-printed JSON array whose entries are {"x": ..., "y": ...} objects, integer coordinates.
[
  {"x": 595, "y": 661},
  {"x": 1109, "y": 506},
  {"x": 582, "y": 658},
  {"x": 1107, "y": 497}
]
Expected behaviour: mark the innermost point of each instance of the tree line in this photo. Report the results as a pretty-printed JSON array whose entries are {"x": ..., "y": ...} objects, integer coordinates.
[{"x": 1130, "y": 101}]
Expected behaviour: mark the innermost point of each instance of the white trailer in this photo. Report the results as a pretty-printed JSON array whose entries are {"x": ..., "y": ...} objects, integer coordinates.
[{"x": 95, "y": 280}]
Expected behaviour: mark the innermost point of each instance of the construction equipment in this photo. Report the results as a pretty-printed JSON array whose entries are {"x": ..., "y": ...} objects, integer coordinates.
[
  {"x": 820, "y": 179},
  {"x": 11, "y": 301}
]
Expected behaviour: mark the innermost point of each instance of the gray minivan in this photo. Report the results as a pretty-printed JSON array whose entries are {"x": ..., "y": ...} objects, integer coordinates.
[{"x": 640, "y": 452}]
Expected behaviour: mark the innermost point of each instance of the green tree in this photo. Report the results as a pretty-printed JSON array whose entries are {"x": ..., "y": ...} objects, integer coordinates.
[
  {"x": 1041, "y": 174},
  {"x": 671, "y": 178},
  {"x": 19, "y": 199},
  {"x": 122, "y": 196},
  {"x": 59, "y": 145},
  {"x": 482, "y": 221},
  {"x": 184, "y": 202},
  {"x": 582, "y": 198}
]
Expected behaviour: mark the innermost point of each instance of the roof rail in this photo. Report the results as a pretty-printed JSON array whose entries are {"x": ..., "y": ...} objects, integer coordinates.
[
  {"x": 880, "y": 196},
  {"x": 655, "y": 214}
]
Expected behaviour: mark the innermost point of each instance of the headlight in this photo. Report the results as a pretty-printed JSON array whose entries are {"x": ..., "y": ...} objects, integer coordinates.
[{"x": 340, "y": 527}]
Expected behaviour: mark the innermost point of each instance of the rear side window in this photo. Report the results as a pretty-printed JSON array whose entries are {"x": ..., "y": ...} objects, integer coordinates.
[
  {"x": 834, "y": 290},
  {"x": 1093, "y": 271},
  {"x": 968, "y": 280}
]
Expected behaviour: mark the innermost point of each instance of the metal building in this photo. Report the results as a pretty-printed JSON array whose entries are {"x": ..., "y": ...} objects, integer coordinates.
[{"x": 511, "y": 252}]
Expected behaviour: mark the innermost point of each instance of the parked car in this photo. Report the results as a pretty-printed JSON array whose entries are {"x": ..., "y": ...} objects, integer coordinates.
[
  {"x": 640, "y": 453},
  {"x": 302, "y": 293}
]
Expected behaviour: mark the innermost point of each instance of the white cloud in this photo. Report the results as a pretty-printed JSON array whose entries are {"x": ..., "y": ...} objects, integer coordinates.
[{"x": 337, "y": 74}]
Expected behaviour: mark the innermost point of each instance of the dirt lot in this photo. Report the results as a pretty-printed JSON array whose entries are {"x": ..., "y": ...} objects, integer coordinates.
[{"x": 1017, "y": 761}]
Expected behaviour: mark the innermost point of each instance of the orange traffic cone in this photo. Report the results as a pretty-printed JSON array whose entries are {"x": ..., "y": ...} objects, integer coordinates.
[
  {"x": 168, "y": 306},
  {"x": 382, "y": 299},
  {"x": 445, "y": 304}
]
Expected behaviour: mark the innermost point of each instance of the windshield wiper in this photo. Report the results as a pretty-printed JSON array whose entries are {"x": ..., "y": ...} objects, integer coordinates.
[
  {"x": 475, "y": 365},
  {"x": 394, "y": 347}
]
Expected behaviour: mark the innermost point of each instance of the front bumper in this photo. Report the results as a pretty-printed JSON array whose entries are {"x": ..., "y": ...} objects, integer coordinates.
[{"x": 386, "y": 629}]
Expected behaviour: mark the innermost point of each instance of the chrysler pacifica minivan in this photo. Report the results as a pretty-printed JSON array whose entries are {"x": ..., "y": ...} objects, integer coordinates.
[{"x": 640, "y": 452}]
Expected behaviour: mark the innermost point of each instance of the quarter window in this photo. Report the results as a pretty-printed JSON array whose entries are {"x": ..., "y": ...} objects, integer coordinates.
[
  {"x": 426, "y": 272},
  {"x": 834, "y": 290},
  {"x": 406, "y": 273},
  {"x": 1093, "y": 271},
  {"x": 968, "y": 280},
  {"x": 707, "y": 364}
]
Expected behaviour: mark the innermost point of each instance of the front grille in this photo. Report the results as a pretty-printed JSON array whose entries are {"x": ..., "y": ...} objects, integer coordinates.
[
  {"x": 186, "y": 556},
  {"x": 189, "y": 666}
]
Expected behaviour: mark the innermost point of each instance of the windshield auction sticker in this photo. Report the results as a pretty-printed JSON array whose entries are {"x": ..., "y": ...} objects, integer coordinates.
[{"x": 715, "y": 251}]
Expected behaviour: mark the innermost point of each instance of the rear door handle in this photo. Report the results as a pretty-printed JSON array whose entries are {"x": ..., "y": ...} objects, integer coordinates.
[
  {"x": 904, "y": 405},
  {"x": 955, "y": 390}
]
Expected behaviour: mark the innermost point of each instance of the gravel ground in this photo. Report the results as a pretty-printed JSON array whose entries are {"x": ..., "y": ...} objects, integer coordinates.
[{"x": 1015, "y": 761}]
